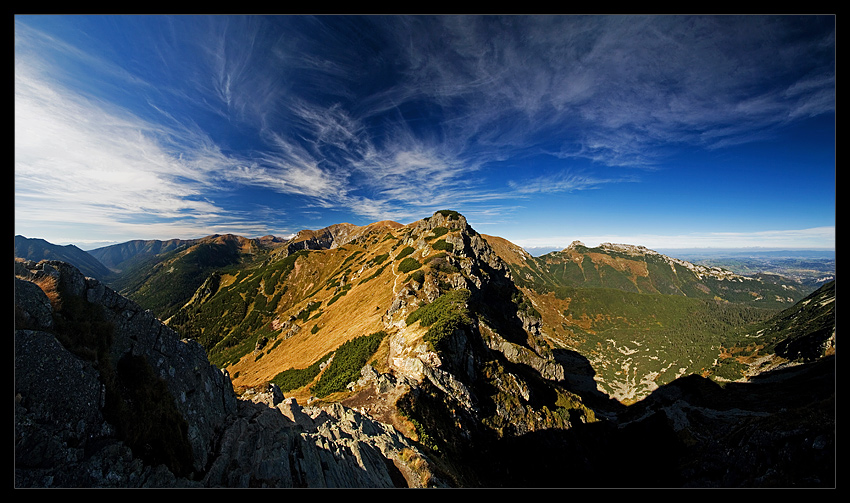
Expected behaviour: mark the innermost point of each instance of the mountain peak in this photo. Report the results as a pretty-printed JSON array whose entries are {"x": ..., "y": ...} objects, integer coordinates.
[
  {"x": 627, "y": 248},
  {"x": 637, "y": 250},
  {"x": 449, "y": 219}
]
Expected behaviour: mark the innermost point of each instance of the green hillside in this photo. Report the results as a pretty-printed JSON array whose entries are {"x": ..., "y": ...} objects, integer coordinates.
[
  {"x": 804, "y": 332},
  {"x": 637, "y": 342},
  {"x": 643, "y": 319},
  {"x": 163, "y": 283},
  {"x": 636, "y": 269},
  {"x": 253, "y": 306},
  {"x": 125, "y": 256},
  {"x": 229, "y": 316}
]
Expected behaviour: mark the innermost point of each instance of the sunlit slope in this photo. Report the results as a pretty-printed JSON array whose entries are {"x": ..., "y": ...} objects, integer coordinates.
[
  {"x": 293, "y": 309},
  {"x": 640, "y": 319},
  {"x": 640, "y": 270}
]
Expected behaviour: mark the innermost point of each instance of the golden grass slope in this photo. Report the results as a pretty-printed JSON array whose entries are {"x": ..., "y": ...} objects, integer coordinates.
[{"x": 320, "y": 277}]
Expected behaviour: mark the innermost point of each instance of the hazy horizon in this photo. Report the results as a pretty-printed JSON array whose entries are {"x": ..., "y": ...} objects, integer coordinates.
[{"x": 535, "y": 251}]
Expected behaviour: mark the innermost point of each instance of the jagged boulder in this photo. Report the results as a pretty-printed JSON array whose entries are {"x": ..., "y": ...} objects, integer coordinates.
[
  {"x": 270, "y": 396},
  {"x": 547, "y": 367},
  {"x": 34, "y": 309},
  {"x": 444, "y": 218}
]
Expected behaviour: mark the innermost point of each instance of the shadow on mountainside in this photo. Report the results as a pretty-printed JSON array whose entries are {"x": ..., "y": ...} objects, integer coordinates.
[
  {"x": 579, "y": 377},
  {"x": 596, "y": 455},
  {"x": 775, "y": 431}
]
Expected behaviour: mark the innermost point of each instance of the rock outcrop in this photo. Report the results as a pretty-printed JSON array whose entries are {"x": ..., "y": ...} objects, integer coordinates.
[
  {"x": 332, "y": 236},
  {"x": 108, "y": 396},
  {"x": 492, "y": 373}
]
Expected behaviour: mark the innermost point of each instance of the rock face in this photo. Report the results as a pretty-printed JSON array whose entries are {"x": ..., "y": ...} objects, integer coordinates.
[
  {"x": 95, "y": 373},
  {"x": 492, "y": 375},
  {"x": 332, "y": 236}
]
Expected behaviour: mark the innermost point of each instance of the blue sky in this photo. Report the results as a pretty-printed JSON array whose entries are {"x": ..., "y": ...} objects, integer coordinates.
[{"x": 663, "y": 131}]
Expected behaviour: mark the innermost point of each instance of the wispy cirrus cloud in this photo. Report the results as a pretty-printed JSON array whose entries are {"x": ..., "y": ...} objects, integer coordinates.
[
  {"x": 77, "y": 159},
  {"x": 617, "y": 91},
  {"x": 389, "y": 116},
  {"x": 621, "y": 86},
  {"x": 562, "y": 181}
]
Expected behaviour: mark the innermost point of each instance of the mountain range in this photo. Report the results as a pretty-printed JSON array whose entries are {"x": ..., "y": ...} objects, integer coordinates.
[
  {"x": 39, "y": 249},
  {"x": 506, "y": 369}
]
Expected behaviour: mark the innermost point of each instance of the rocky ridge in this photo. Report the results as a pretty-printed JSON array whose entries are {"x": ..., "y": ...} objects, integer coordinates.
[
  {"x": 700, "y": 271},
  {"x": 491, "y": 370},
  {"x": 332, "y": 236},
  {"x": 67, "y": 434}
]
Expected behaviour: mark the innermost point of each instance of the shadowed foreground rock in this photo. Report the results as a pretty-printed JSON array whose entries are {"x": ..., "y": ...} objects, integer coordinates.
[{"x": 108, "y": 396}]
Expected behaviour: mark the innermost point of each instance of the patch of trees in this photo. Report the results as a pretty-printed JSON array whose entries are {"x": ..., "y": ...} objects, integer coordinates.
[
  {"x": 407, "y": 250},
  {"x": 351, "y": 257},
  {"x": 237, "y": 312},
  {"x": 346, "y": 364},
  {"x": 293, "y": 378},
  {"x": 418, "y": 276},
  {"x": 304, "y": 314},
  {"x": 442, "y": 245},
  {"x": 409, "y": 264},
  {"x": 440, "y": 231},
  {"x": 439, "y": 264},
  {"x": 446, "y": 314},
  {"x": 379, "y": 259},
  {"x": 344, "y": 290}
]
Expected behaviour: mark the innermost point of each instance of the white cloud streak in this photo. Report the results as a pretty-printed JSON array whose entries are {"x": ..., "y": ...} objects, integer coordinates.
[
  {"x": 499, "y": 82},
  {"x": 628, "y": 83}
]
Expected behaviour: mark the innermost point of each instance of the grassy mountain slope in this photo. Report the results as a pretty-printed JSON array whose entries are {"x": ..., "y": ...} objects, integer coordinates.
[
  {"x": 458, "y": 334},
  {"x": 643, "y": 319},
  {"x": 637, "y": 269},
  {"x": 162, "y": 275},
  {"x": 289, "y": 294},
  {"x": 804, "y": 332},
  {"x": 163, "y": 283},
  {"x": 640, "y": 318}
]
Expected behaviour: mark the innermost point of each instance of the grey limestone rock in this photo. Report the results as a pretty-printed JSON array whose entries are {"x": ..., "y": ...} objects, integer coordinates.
[
  {"x": 34, "y": 309},
  {"x": 63, "y": 439}
]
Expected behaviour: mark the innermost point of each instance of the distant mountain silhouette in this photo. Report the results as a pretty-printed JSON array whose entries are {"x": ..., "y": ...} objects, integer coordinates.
[
  {"x": 38, "y": 249},
  {"x": 121, "y": 256}
]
